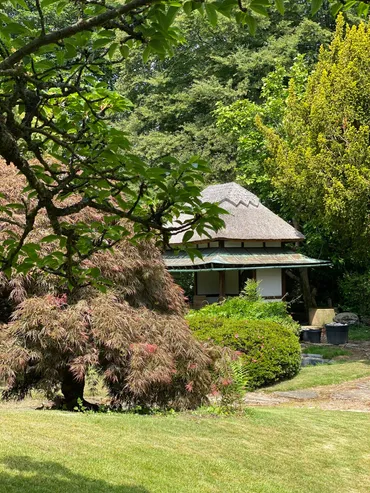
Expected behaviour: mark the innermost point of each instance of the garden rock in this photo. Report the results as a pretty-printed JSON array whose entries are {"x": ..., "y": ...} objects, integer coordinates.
[
  {"x": 346, "y": 318},
  {"x": 313, "y": 360}
]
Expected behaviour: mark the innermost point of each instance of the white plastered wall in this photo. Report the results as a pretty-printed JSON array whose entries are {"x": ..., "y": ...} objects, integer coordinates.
[{"x": 271, "y": 283}]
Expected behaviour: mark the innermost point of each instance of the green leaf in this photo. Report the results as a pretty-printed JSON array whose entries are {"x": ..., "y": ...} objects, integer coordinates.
[
  {"x": 46, "y": 3},
  {"x": 335, "y": 8},
  {"x": 251, "y": 23},
  {"x": 112, "y": 49},
  {"x": 94, "y": 272},
  {"x": 101, "y": 42},
  {"x": 259, "y": 9},
  {"x": 211, "y": 14},
  {"x": 349, "y": 4},
  {"x": 124, "y": 50},
  {"x": 188, "y": 7},
  {"x": 189, "y": 234},
  {"x": 50, "y": 238},
  {"x": 158, "y": 46},
  {"x": 315, "y": 6},
  {"x": 265, "y": 3},
  {"x": 146, "y": 53},
  {"x": 280, "y": 6}
]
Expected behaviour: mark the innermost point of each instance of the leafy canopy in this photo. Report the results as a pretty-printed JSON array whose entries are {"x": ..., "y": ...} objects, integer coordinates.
[
  {"x": 56, "y": 109},
  {"x": 321, "y": 155},
  {"x": 174, "y": 99}
]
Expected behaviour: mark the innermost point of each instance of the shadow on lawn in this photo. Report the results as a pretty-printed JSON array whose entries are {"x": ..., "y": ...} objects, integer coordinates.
[{"x": 36, "y": 477}]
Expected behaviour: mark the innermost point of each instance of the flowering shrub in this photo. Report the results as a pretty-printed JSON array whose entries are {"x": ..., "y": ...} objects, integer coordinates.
[{"x": 269, "y": 351}]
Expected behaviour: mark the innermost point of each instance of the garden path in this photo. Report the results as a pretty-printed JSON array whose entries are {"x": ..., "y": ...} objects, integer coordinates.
[{"x": 347, "y": 396}]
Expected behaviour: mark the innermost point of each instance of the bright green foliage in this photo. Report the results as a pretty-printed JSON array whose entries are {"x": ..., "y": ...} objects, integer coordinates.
[
  {"x": 232, "y": 386},
  {"x": 270, "y": 351},
  {"x": 321, "y": 155},
  {"x": 239, "y": 121},
  {"x": 175, "y": 99},
  {"x": 242, "y": 308},
  {"x": 355, "y": 293},
  {"x": 251, "y": 291},
  {"x": 57, "y": 62}
]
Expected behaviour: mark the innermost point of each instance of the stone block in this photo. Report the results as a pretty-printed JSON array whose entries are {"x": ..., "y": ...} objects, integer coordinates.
[{"x": 321, "y": 316}]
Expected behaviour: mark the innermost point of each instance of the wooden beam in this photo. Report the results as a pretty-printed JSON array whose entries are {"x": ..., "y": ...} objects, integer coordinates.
[{"x": 221, "y": 285}]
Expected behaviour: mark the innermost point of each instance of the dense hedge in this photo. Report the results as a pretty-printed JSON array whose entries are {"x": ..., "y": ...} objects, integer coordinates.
[
  {"x": 270, "y": 350},
  {"x": 240, "y": 308},
  {"x": 355, "y": 293}
]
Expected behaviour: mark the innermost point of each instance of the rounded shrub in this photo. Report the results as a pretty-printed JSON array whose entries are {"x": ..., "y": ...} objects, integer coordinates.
[{"x": 270, "y": 351}]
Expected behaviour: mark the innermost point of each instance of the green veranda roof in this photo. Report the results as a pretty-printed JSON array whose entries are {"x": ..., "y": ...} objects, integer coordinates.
[{"x": 239, "y": 259}]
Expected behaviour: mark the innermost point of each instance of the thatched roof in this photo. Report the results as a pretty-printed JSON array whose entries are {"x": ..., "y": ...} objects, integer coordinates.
[{"x": 248, "y": 219}]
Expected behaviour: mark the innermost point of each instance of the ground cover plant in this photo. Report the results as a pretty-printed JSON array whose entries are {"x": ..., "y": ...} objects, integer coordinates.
[
  {"x": 359, "y": 333},
  {"x": 268, "y": 451}
]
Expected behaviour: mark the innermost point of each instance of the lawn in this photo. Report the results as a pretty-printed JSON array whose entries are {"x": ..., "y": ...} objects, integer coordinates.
[
  {"x": 359, "y": 333},
  {"x": 312, "y": 376},
  {"x": 327, "y": 352},
  {"x": 276, "y": 450}
]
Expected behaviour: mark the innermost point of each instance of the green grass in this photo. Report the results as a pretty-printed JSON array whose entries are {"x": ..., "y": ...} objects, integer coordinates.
[
  {"x": 328, "y": 352},
  {"x": 278, "y": 450},
  {"x": 312, "y": 376},
  {"x": 359, "y": 333}
]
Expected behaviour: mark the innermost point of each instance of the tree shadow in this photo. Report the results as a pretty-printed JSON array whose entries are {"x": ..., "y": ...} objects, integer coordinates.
[{"x": 50, "y": 477}]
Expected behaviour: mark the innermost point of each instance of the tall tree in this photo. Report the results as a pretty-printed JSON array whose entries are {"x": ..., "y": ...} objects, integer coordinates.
[
  {"x": 321, "y": 155},
  {"x": 56, "y": 107},
  {"x": 238, "y": 122},
  {"x": 175, "y": 99}
]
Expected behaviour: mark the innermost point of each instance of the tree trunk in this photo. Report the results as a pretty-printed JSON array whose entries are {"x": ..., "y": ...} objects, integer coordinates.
[
  {"x": 306, "y": 290},
  {"x": 72, "y": 390}
]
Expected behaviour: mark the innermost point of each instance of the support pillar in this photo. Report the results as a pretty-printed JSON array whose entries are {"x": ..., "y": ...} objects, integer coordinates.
[{"x": 221, "y": 284}]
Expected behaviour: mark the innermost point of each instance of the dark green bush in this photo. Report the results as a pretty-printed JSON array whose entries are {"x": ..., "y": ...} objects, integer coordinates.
[
  {"x": 270, "y": 351},
  {"x": 355, "y": 293}
]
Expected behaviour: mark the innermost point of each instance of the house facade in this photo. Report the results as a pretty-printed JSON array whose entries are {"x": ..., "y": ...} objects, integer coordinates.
[{"x": 251, "y": 245}]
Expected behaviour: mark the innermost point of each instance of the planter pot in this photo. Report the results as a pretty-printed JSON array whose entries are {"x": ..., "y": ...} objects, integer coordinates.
[
  {"x": 337, "y": 333},
  {"x": 311, "y": 335}
]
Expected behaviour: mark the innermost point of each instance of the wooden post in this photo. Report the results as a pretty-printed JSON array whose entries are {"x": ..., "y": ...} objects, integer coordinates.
[
  {"x": 221, "y": 285},
  {"x": 283, "y": 282},
  {"x": 306, "y": 290}
]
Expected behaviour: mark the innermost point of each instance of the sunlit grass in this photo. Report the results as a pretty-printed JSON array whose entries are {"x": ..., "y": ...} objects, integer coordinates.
[
  {"x": 336, "y": 373},
  {"x": 276, "y": 450}
]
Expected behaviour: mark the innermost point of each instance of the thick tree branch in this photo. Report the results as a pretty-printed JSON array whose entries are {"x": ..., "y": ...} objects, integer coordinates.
[{"x": 67, "y": 32}]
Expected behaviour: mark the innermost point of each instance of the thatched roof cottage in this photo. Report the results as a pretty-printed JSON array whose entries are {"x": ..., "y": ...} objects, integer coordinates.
[{"x": 252, "y": 244}]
